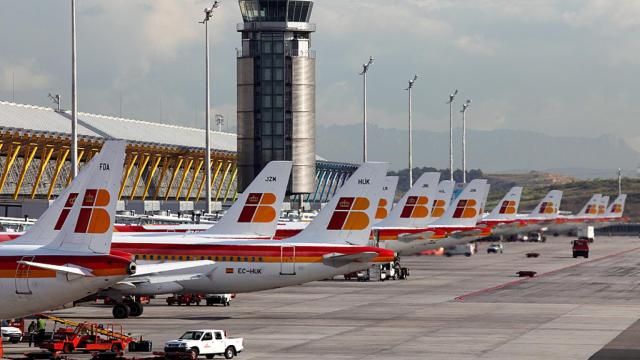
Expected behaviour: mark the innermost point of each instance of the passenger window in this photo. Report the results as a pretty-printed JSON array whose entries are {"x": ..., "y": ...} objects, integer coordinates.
[
  {"x": 207, "y": 336},
  {"x": 218, "y": 336}
]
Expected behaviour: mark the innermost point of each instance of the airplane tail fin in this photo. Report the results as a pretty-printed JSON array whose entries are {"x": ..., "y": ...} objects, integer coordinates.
[
  {"x": 487, "y": 188},
  {"x": 617, "y": 206},
  {"x": 465, "y": 208},
  {"x": 348, "y": 216},
  {"x": 602, "y": 207},
  {"x": 590, "y": 209},
  {"x": 549, "y": 206},
  {"x": 386, "y": 198},
  {"x": 442, "y": 198},
  {"x": 507, "y": 208},
  {"x": 413, "y": 209},
  {"x": 81, "y": 219},
  {"x": 256, "y": 211}
]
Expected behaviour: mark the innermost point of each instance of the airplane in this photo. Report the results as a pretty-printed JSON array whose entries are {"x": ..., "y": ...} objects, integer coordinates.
[
  {"x": 540, "y": 218},
  {"x": 503, "y": 217},
  {"x": 386, "y": 198},
  {"x": 253, "y": 215},
  {"x": 565, "y": 224},
  {"x": 406, "y": 234},
  {"x": 56, "y": 261},
  {"x": 614, "y": 213},
  {"x": 442, "y": 198},
  {"x": 291, "y": 228},
  {"x": 335, "y": 243}
]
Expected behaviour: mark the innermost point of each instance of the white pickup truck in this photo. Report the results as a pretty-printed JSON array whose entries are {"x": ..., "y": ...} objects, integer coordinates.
[{"x": 209, "y": 343}]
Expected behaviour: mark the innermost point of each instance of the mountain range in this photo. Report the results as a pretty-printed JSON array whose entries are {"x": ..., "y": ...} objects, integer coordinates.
[{"x": 501, "y": 150}]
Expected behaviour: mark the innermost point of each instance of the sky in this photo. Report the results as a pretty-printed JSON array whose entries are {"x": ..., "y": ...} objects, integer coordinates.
[{"x": 560, "y": 67}]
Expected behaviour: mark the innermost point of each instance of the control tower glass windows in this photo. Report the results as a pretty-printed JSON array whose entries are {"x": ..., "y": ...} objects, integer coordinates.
[{"x": 275, "y": 10}]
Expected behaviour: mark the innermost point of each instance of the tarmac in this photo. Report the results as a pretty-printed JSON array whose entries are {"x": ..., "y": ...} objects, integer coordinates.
[{"x": 449, "y": 308}]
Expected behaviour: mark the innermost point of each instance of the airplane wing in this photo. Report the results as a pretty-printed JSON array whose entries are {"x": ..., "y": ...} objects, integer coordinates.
[
  {"x": 464, "y": 234},
  {"x": 64, "y": 269},
  {"x": 337, "y": 259},
  {"x": 426, "y": 235},
  {"x": 157, "y": 279},
  {"x": 165, "y": 268}
]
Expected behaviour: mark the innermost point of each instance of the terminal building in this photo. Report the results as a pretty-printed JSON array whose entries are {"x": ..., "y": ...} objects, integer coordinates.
[{"x": 164, "y": 166}]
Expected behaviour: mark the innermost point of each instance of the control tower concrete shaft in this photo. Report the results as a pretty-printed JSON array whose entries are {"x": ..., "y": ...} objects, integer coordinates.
[{"x": 276, "y": 90}]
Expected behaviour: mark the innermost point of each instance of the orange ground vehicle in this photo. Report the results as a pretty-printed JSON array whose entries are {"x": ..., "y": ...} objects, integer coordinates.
[
  {"x": 87, "y": 337},
  {"x": 580, "y": 247},
  {"x": 185, "y": 299}
]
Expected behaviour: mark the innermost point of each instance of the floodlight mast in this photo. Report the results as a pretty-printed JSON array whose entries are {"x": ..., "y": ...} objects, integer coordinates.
[
  {"x": 465, "y": 107},
  {"x": 409, "y": 88},
  {"x": 450, "y": 102},
  {"x": 208, "y": 13},
  {"x": 365, "y": 69},
  {"x": 74, "y": 95}
]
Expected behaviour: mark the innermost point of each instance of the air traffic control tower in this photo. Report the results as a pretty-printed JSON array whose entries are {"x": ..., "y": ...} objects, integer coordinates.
[{"x": 276, "y": 90}]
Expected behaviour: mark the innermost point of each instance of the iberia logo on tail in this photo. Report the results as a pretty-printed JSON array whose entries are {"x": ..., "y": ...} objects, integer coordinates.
[
  {"x": 350, "y": 214},
  {"x": 93, "y": 217},
  {"x": 591, "y": 209},
  {"x": 415, "y": 208},
  {"x": 617, "y": 209},
  {"x": 601, "y": 209},
  {"x": 547, "y": 208},
  {"x": 381, "y": 212},
  {"x": 508, "y": 207},
  {"x": 258, "y": 208},
  {"x": 438, "y": 208},
  {"x": 465, "y": 209}
]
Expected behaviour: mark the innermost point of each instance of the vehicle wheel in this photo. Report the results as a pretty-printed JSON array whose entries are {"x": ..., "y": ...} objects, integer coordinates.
[
  {"x": 198, "y": 302},
  {"x": 229, "y": 352},
  {"x": 121, "y": 311},
  {"x": 467, "y": 254},
  {"x": 115, "y": 348},
  {"x": 586, "y": 256},
  {"x": 228, "y": 303},
  {"x": 193, "y": 354},
  {"x": 447, "y": 255},
  {"x": 135, "y": 309},
  {"x": 14, "y": 340},
  {"x": 209, "y": 356},
  {"x": 67, "y": 349}
]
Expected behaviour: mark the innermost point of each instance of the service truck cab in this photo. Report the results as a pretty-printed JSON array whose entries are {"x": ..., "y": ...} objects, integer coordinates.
[
  {"x": 580, "y": 247},
  {"x": 203, "y": 342}
]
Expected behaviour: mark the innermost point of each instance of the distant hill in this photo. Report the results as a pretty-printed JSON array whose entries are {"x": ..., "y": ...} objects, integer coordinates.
[{"x": 497, "y": 150}]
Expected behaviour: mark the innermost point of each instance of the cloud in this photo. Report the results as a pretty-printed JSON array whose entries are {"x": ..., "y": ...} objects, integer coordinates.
[
  {"x": 476, "y": 44},
  {"x": 23, "y": 77}
]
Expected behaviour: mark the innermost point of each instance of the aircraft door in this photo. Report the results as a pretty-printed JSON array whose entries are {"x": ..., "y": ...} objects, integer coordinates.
[
  {"x": 287, "y": 260},
  {"x": 23, "y": 272}
]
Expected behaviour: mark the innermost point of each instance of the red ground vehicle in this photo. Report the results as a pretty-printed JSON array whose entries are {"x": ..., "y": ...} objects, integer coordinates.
[
  {"x": 185, "y": 299},
  {"x": 580, "y": 248},
  {"x": 87, "y": 337}
]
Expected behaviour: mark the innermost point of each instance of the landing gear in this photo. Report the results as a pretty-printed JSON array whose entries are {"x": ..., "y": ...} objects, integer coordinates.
[
  {"x": 121, "y": 311},
  {"x": 128, "y": 307},
  {"x": 135, "y": 307}
]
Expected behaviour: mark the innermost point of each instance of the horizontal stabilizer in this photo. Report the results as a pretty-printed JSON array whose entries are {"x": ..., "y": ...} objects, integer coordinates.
[
  {"x": 425, "y": 235},
  {"x": 65, "y": 269},
  {"x": 165, "y": 268},
  {"x": 337, "y": 259}
]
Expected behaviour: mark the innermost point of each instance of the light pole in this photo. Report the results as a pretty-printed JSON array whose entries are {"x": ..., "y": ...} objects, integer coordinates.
[
  {"x": 74, "y": 95},
  {"x": 619, "y": 181},
  {"x": 56, "y": 100},
  {"x": 465, "y": 107},
  {"x": 219, "y": 121},
  {"x": 365, "y": 68},
  {"x": 450, "y": 102},
  {"x": 207, "y": 16},
  {"x": 409, "y": 88}
]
